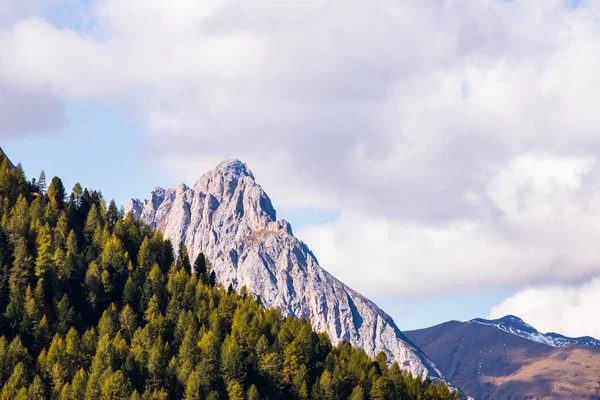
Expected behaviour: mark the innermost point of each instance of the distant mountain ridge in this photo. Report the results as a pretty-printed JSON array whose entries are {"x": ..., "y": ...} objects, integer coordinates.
[
  {"x": 3, "y": 155},
  {"x": 228, "y": 216},
  {"x": 516, "y": 326},
  {"x": 490, "y": 360}
]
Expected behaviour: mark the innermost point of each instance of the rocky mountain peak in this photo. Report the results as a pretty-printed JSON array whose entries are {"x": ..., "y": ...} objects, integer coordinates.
[
  {"x": 229, "y": 217},
  {"x": 232, "y": 186},
  {"x": 225, "y": 177},
  {"x": 158, "y": 191},
  {"x": 234, "y": 168},
  {"x": 509, "y": 321}
]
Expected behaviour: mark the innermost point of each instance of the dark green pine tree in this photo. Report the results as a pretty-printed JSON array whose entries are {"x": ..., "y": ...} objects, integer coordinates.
[
  {"x": 201, "y": 268},
  {"x": 212, "y": 279},
  {"x": 183, "y": 258},
  {"x": 112, "y": 214},
  {"x": 56, "y": 193}
]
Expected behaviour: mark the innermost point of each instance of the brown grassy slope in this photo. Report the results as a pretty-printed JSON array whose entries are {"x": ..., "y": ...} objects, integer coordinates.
[
  {"x": 570, "y": 372},
  {"x": 487, "y": 363}
]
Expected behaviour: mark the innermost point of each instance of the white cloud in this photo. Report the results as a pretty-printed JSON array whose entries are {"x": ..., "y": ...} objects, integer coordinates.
[
  {"x": 571, "y": 311},
  {"x": 536, "y": 222},
  {"x": 28, "y": 112},
  {"x": 458, "y": 139}
]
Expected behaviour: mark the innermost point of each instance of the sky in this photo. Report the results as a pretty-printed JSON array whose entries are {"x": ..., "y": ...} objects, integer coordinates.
[{"x": 438, "y": 156}]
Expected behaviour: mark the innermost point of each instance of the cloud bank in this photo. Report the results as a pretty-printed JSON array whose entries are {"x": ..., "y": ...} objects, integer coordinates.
[{"x": 567, "y": 310}]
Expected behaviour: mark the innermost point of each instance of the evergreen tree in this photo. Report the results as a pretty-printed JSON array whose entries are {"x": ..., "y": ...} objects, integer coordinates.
[
  {"x": 115, "y": 387},
  {"x": 145, "y": 256},
  {"x": 157, "y": 363},
  {"x": 41, "y": 182},
  {"x": 32, "y": 314},
  {"x": 212, "y": 279},
  {"x": 16, "y": 382},
  {"x": 192, "y": 387},
  {"x": 65, "y": 314},
  {"x": 44, "y": 261},
  {"x": 19, "y": 277},
  {"x": 383, "y": 389},
  {"x": 253, "y": 393},
  {"x": 200, "y": 267},
  {"x": 56, "y": 193},
  {"x": 213, "y": 395},
  {"x": 128, "y": 322},
  {"x": 235, "y": 391},
  {"x": 232, "y": 361},
  {"x": 79, "y": 384},
  {"x": 77, "y": 194},
  {"x": 95, "y": 288},
  {"x": 108, "y": 322},
  {"x": 183, "y": 258},
  {"x": 112, "y": 214},
  {"x": 36, "y": 391}
]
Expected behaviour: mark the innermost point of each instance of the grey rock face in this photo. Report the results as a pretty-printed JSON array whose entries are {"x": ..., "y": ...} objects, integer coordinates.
[{"x": 228, "y": 217}]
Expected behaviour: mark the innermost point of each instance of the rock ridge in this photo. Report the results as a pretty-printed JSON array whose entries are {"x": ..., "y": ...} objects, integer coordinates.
[{"x": 229, "y": 217}]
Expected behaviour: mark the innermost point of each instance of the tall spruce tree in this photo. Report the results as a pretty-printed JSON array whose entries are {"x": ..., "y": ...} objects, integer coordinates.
[
  {"x": 56, "y": 193},
  {"x": 200, "y": 267},
  {"x": 183, "y": 258},
  {"x": 41, "y": 182}
]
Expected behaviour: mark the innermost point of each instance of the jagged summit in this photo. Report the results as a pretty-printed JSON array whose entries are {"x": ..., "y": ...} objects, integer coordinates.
[
  {"x": 3, "y": 155},
  {"x": 229, "y": 217},
  {"x": 233, "y": 167},
  {"x": 516, "y": 326}
]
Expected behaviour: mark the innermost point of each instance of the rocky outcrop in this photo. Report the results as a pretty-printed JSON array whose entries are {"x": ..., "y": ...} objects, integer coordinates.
[{"x": 227, "y": 216}]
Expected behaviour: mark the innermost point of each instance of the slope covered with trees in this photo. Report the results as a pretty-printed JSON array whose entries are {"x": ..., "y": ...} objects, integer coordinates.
[{"x": 94, "y": 305}]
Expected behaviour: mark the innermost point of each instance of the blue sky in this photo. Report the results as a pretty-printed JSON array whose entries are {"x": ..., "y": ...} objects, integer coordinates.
[
  {"x": 98, "y": 146},
  {"x": 447, "y": 148}
]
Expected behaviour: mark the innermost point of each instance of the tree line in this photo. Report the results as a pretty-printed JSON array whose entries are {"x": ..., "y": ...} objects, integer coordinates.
[{"x": 95, "y": 305}]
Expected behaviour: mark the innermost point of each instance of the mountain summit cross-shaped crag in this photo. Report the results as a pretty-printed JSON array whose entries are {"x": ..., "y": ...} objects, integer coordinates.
[{"x": 229, "y": 217}]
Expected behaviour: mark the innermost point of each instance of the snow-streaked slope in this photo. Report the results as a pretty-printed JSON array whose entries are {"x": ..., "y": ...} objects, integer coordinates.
[
  {"x": 517, "y": 326},
  {"x": 229, "y": 217},
  {"x": 490, "y": 363}
]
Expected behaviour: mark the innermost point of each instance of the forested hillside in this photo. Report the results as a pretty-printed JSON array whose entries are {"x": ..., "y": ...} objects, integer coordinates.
[{"x": 94, "y": 306}]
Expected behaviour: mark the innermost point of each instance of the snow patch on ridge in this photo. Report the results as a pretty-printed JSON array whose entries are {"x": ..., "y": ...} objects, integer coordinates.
[{"x": 516, "y": 326}]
